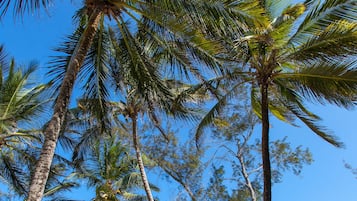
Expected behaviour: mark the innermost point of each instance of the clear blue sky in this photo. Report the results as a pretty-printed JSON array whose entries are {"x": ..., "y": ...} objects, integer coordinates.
[{"x": 325, "y": 180}]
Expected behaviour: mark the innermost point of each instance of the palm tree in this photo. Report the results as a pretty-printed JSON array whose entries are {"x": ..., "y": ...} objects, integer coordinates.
[
  {"x": 19, "y": 104},
  {"x": 138, "y": 79},
  {"x": 303, "y": 53},
  {"x": 110, "y": 168},
  {"x": 128, "y": 59},
  {"x": 159, "y": 13}
]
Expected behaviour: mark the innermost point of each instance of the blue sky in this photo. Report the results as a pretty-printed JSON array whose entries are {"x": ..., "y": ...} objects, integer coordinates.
[{"x": 325, "y": 180}]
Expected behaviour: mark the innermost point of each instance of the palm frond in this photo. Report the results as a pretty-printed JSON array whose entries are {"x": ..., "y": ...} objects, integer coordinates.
[
  {"x": 282, "y": 25},
  {"x": 321, "y": 15},
  {"x": 292, "y": 101},
  {"x": 3, "y": 59},
  {"x": 143, "y": 73},
  {"x": 66, "y": 186},
  {"x": 95, "y": 73},
  {"x": 20, "y": 7},
  {"x": 311, "y": 123},
  {"x": 332, "y": 82},
  {"x": 176, "y": 25},
  {"x": 58, "y": 64},
  {"x": 13, "y": 173},
  {"x": 337, "y": 40}
]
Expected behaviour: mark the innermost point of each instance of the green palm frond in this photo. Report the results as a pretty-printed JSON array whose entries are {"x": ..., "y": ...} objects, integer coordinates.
[
  {"x": 338, "y": 39},
  {"x": 332, "y": 82},
  {"x": 282, "y": 25},
  {"x": 173, "y": 21},
  {"x": 311, "y": 123},
  {"x": 254, "y": 100},
  {"x": 96, "y": 75},
  {"x": 3, "y": 60},
  {"x": 178, "y": 27},
  {"x": 321, "y": 15},
  {"x": 292, "y": 101},
  {"x": 87, "y": 140},
  {"x": 19, "y": 102},
  {"x": 142, "y": 72}
]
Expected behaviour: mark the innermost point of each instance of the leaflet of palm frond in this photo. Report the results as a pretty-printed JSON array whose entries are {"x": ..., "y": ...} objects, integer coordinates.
[{"x": 289, "y": 94}]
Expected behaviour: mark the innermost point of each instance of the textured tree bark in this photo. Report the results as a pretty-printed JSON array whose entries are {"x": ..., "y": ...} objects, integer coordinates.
[
  {"x": 51, "y": 132},
  {"x": 265, "y": 142},
  {"x": 139, "y": 158}
]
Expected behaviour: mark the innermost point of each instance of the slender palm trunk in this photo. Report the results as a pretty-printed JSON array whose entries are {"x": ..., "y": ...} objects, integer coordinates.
[
  {"x": 52, "y": 130},
  {"x": 265, "y": 142},
  {"x": 139, "y": 158}
]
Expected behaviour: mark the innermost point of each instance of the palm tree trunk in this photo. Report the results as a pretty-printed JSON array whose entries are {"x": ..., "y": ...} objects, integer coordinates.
[
  {"x": 52, "y": 130},
  {"x": 140, "y": 160},
  {"x": 265, "y": 142}
]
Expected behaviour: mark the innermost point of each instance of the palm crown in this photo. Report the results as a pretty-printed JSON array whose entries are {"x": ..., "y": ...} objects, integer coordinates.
[
  {"x": 311, "y": 62},
  {"x": 304, "y": 52}
]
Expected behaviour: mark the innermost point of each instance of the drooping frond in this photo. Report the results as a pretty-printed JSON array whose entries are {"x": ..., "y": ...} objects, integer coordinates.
[
  {"x": 95, "y": 75},
  {"x": 142, "y": 72},
  {"x": 176, "y": 24},
  {"x": 325, "y": 82},
  {"x": 3, "y": 56},
  {"x": 292, "y": 101},
  {"x": 311, "y": 123},
  {"x": 229, "y": 18}
]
